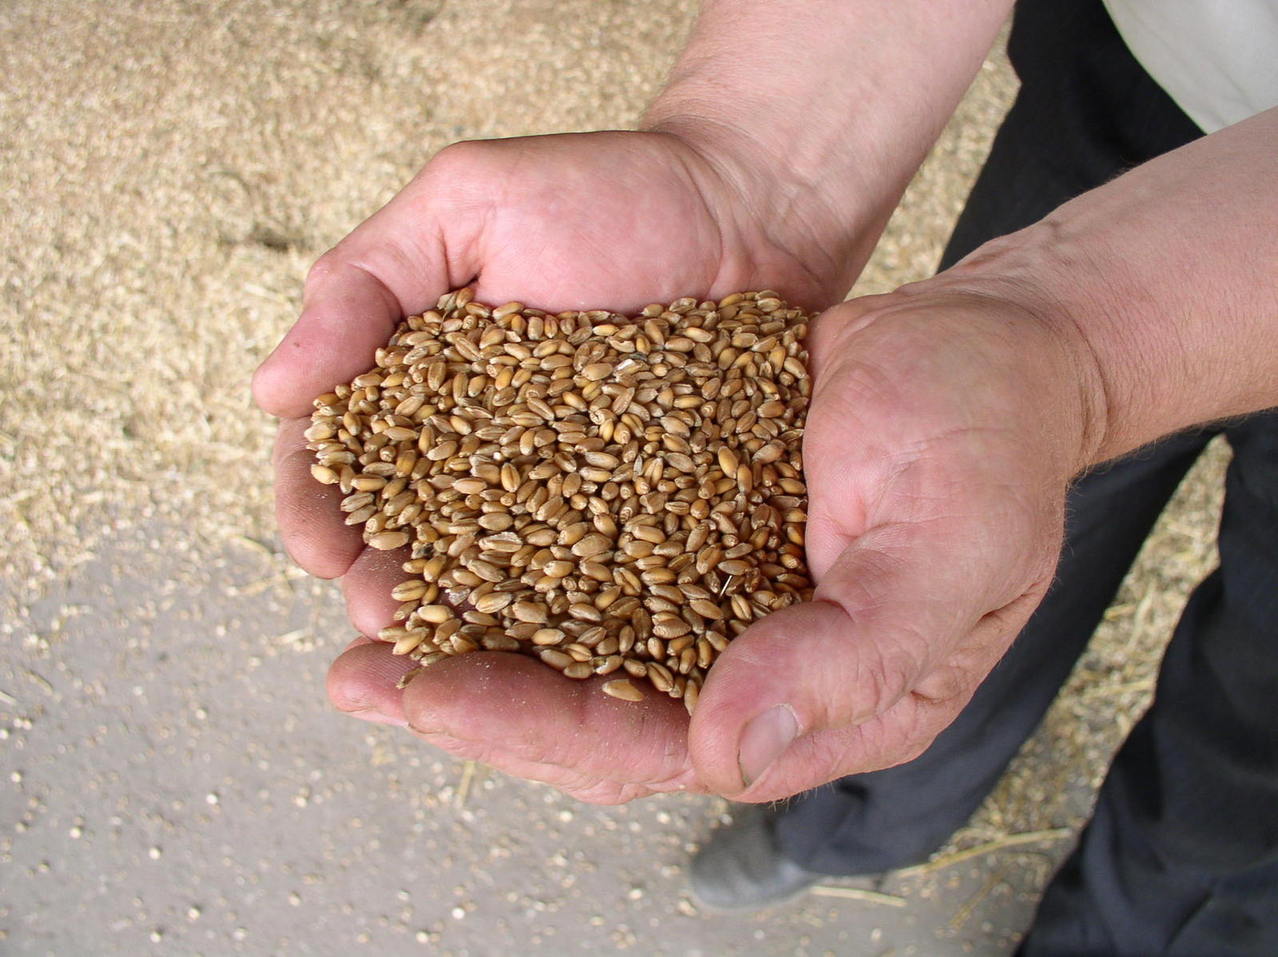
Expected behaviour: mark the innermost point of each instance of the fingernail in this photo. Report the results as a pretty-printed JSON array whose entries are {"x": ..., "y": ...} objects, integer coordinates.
[
  {"x": 764, "y": 740},
  {"x": 376, "y": 717}
]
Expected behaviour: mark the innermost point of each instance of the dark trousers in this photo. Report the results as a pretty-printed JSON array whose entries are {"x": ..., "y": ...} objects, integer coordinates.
[{"x": 1181, "y": 855}]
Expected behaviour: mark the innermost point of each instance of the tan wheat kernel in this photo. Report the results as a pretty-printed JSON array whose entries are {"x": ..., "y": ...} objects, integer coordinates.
[{"x": 603, "y": 493}]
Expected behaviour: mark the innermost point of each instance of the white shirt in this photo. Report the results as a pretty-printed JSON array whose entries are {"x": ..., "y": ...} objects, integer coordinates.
[{"x": 1218, "y": 59}]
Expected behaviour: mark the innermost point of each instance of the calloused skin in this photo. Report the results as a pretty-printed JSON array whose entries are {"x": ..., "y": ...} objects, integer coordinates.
[{"x": 935, "y": 518}]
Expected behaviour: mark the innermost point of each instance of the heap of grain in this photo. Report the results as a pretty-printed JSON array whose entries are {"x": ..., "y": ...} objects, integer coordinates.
[{"x": 608, "y": 494}]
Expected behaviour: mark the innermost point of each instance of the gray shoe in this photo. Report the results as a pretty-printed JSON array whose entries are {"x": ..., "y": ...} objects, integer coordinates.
[{"x": 741, "y": 867}]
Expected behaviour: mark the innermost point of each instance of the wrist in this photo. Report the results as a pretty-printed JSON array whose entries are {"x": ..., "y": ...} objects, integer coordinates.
[
  {"x": 1066, "y": 404},
  {"x": 1161, "y": 280},
  {"x": 1047, "y": 278},
  {"x": 773, "y": 200},
  {"x": 820, "y": 111}
]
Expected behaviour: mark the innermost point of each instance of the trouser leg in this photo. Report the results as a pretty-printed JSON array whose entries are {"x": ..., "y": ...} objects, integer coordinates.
[
  {"x": 1182, "y": 853},
  {"x": 1085, "y": 112}
]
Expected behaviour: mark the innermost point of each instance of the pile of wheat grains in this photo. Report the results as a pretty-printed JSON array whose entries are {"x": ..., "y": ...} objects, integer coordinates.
[{"x": 612, "y": 495}]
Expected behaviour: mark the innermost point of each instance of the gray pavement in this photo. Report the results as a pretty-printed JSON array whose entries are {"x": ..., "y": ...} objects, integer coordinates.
[{"x": 177, "y": 783}]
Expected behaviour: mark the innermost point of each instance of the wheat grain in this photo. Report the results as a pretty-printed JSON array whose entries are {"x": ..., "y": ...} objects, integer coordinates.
[{"x": 603, "y": 493}]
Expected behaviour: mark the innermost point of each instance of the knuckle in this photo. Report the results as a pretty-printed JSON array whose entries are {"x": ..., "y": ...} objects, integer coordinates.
[
  {"x": 888, "y": 672},
  {"x": 946, "y": 683},
  {"x": 462, "y": 159},
  {"x": 324, "y": 267}
]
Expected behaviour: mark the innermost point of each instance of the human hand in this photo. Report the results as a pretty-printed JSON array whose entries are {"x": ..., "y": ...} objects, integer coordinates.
[
  {"x": 569, "y": 221},
  {"x": 946, "y": 422},
  {"x": 945, "y": 426},
  {"x": 934, "y": 526},
  {"x": 573, "y": 221}
]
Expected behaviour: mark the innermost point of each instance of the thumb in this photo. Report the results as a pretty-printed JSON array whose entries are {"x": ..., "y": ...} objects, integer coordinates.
[{"x": 858, "y": 679}]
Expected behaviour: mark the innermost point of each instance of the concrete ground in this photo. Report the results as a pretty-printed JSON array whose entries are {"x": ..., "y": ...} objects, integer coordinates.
[{"x": 174, "y": 780}]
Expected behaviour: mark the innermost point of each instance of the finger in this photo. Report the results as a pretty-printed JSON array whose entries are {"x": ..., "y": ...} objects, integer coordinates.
[
  {"x": 367, "y": 587},
  {"x": 397, "y": 262},
  {"x": 906, "y": 729},
  {"x": 364, "y": 680},
  {"x": 848, "y": 396},
  {"x": 307, "y": 512},
  {"x": 886, "y": 616},
  {"x": 349, "y": 312},
  {"x": 830, "y": 328},
  {"x": 522, "y": 717}
]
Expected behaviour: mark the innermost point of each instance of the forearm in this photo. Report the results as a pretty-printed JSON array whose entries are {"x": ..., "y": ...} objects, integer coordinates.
[
  {"x": 822, "y": 110},
  {"x": 1168, "y": 276}
]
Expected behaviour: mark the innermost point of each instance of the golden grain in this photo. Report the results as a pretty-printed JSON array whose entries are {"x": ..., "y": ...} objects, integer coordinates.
[
  {"x": 623, "y": 689},
  {"x": 385, "y": 541},
  {"x": 608, "y": 494}
]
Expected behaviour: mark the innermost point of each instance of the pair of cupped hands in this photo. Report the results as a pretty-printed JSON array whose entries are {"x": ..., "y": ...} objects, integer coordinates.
[{"x": 945, "y": 425}]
